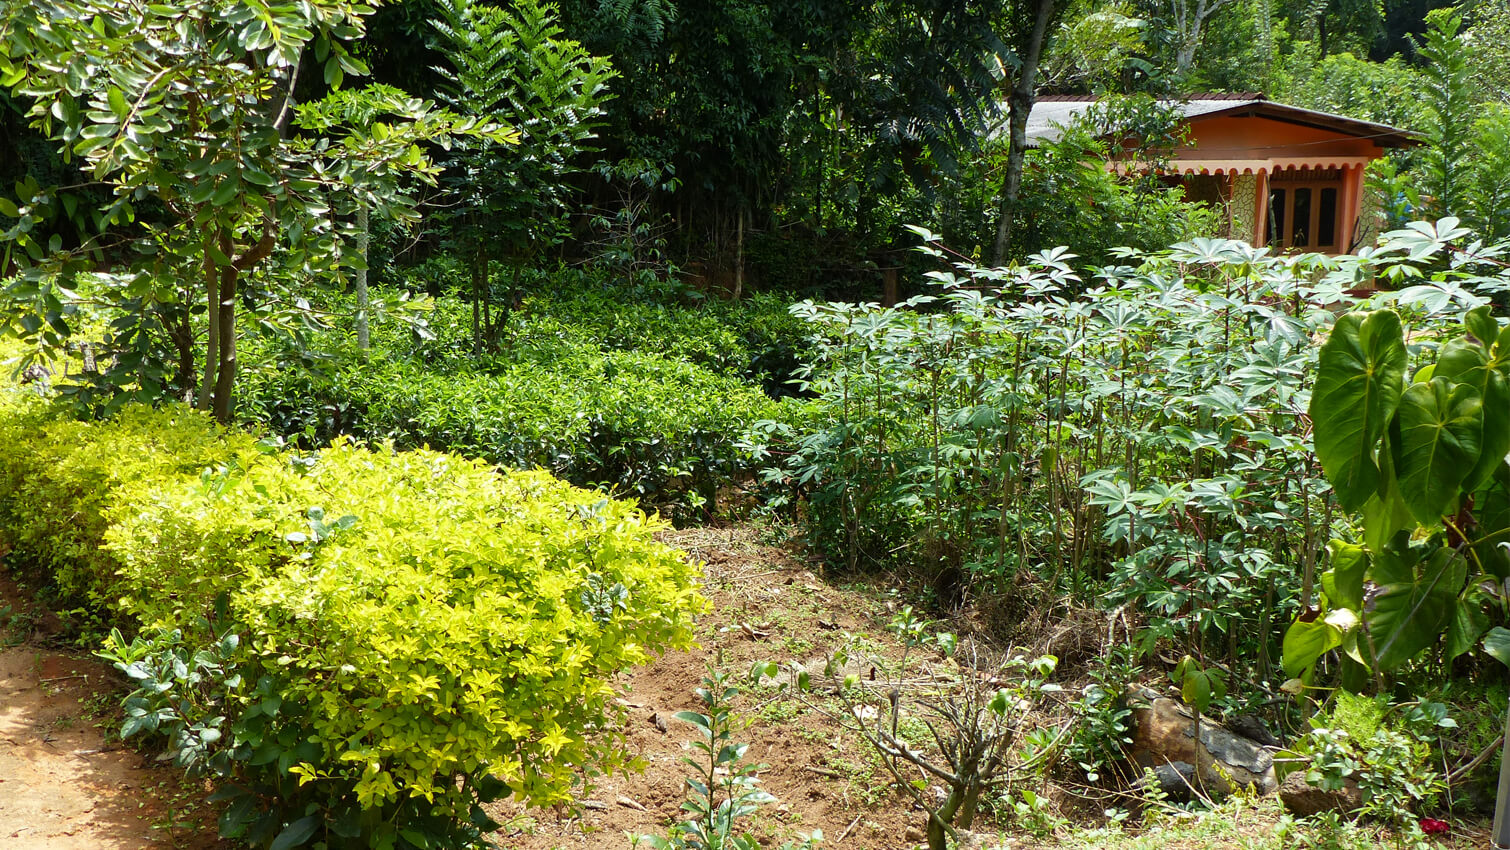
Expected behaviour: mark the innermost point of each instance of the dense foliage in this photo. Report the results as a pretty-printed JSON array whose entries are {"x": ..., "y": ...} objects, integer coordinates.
[
  {"x": 187, "y": 110},
  {"x": 638, "y": 397},
  {"x": 1423, "y": 463},
  {"x": 368, "y": 631},
  {"x": 366, "y": 644},
  {"x": 1142, "y": 437}
]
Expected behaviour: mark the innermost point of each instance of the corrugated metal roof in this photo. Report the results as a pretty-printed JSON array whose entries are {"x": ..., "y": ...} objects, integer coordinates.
[{"x": 1051, "y": 113}]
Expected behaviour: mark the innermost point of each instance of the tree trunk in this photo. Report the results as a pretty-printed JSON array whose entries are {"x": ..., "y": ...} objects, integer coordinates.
[
  {"x": 1019, "y": 105},
  {"x": 739, "y": 254},
  {"x": 477, "y": 273},
  {"x": 939, "y": 820},
  {"x": 222, "y": 318},
  {"x": 212, "y": 344},
  {"x": 225, "y": 371},
  {"x": 364, "y": 237},
  {"x": 181, "y": 332},
  {"x": 1185, "y": 56}
]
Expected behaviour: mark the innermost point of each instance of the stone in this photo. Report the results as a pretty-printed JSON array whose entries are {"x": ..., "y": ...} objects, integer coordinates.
[
  {"x": 1253, "y": 728},
  {"x": 1164, "y": 736},
  {"x": 967, "y": 840},
  {"x": 1174, "y": 779},
  {"x": 1304, "y": 799}
]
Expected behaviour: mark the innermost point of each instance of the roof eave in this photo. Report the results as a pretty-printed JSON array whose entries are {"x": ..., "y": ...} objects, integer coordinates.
[{"x": 1382, "y": 135}]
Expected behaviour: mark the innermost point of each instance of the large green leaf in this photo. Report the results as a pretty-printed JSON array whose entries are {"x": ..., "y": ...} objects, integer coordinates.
[
  {"x": 1465, "y": 361},
  {"x": 1385, "y": 513},
  {"x": 1416, "y": 600},
  {"x": 1497, "y": 644},
  {"x": 1492, "y": 511},
  {"x": 1307, "y": 640},
  {"x": 1468, "y": 622},
  {"x": 1343, "y": 583},
  {"x": 1441, "y": 426},
  {"x": 1481, "y": 323},
  {"x": 1361, "y": 374}
]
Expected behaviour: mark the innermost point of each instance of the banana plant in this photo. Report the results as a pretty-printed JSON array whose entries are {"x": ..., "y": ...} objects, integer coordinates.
[{"x": 1419, "y": 458}]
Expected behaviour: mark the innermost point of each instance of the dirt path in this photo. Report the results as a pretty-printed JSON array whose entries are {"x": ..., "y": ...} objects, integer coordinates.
[{"x": 63, "y": 785}]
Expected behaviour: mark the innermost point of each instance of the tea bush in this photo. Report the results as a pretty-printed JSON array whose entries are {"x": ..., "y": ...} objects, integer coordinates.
[
  {"x": 755, "y": 339},
  {"x": 634, "y": 423},
  {"x": 366, "y": 643},
  {"x": 646, "y": 399}
]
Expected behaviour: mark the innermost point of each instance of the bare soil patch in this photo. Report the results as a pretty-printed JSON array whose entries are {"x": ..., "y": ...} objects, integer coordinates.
[
  {"x": 64, "y": 784},
  {"x": 767, "y": 604}
]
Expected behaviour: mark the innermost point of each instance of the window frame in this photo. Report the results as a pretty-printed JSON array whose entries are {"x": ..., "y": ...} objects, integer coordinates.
[{"x": 1313, "y": 222}]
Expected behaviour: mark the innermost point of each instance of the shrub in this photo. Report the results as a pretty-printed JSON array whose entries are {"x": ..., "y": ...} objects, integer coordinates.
[
  {"x": 634, "y": 422},
  {"x": 58, "y": 477},
  {"x": 1145, "y": 441},
  {"x": 367, "y": 643}
]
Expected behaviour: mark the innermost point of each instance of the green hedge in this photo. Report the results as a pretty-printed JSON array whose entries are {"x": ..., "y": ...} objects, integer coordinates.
[
  {"x": 365, "y": 643},
  {"x": 630, "y": 422},
  {"x": 643, "y": 392},
  {"x": 755, "y": 339}
]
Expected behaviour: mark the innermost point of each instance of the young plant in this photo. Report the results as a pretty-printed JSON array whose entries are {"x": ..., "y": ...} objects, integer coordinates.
[
  {"x": 976, "y": 722},
  {"x": 724, "y": 790}
]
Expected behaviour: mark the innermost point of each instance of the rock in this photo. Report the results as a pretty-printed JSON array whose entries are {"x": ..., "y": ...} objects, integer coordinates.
[
  {"x": 1253, "y": 728},
  {"x": 967, "y": 840},
  {"x": 1164, "y": 735},
  {"x": 1304, "y": 799},
  {"x": 1175, "y": 780}
]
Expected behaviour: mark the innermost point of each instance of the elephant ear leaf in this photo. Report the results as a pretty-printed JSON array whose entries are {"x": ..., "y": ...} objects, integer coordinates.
[
  {"x": 1343, "y": 583},
  {"x": 1497, "y": 644},
  {"x": 1481, "y": 323},
  {"x": 1441, "y": 429},
  {"x": 1416, "y": 602},
  {"x": 1492, "y": 508},
  {"x": 1360, "y": 378},
  {"x": 1465, "y": 361}
]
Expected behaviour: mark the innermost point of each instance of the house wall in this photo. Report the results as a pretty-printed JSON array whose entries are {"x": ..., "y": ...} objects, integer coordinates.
[
  {"x": 1247, "y": 138},
  {"x": 1251, "y": 148}
]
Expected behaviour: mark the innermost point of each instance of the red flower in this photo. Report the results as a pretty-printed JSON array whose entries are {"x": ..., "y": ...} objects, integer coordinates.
[{"x": 1432, "y": 826}]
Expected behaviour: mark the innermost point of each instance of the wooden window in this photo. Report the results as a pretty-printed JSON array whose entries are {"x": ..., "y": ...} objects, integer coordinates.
[{"x": 1305, "y": 212}]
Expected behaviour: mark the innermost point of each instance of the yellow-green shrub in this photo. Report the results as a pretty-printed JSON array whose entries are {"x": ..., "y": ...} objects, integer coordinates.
[
  {"x": 366, "y": 642},
  {"x": 57, "y": 477},
  {"x": 434, "y": 615}
]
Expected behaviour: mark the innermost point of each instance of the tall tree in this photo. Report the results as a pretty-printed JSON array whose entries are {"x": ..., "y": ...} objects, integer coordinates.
[
  {"x": 513, "y": 66},
  {"x": 1450, "y": 108},
  {"x": 1029, "y": 25},
  {"x": 190, "y": 103},
  {"x": 1189, "y": 18}
]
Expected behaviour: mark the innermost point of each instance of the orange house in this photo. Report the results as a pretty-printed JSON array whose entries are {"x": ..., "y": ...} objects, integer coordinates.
[{"x": 1287, "y": 177}]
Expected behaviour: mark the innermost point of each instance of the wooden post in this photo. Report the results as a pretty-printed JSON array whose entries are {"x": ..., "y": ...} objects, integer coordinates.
[{"x": 889, "y": 287}]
